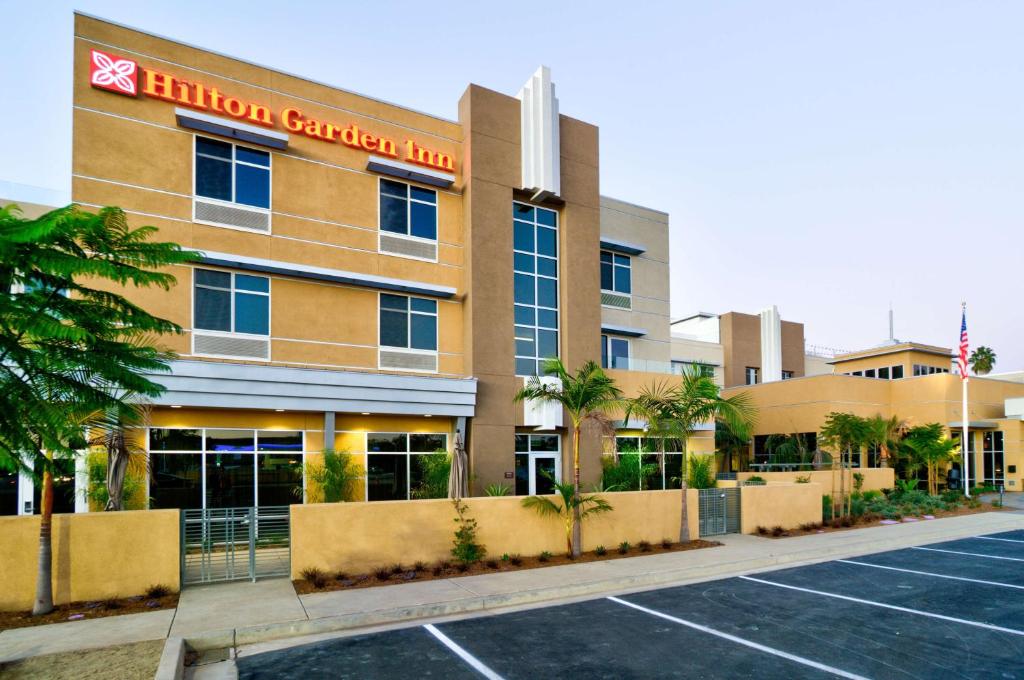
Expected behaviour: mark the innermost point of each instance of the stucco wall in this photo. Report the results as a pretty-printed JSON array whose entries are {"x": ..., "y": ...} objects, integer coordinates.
[
  {"x": 875, "y": 479},
  {"x": 785, "y": 505},
  {"x": 95, "y": 556},
  {"x": 358, "y": 537}
]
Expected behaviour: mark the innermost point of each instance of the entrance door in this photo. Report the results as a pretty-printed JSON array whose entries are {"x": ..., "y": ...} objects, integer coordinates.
[{"x": 544, "y": 468}]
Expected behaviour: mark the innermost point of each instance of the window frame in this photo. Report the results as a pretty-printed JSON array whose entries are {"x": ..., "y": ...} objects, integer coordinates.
[
  {"x": 531, "y": 455},
  {"x": 607, "y": 340},
  {"x": 234, "y": 184},
  {"x": 408, "y": 329},
  {"x": 757, "y": 375},
  {"x": 231, "y": 312},
  {"x": 614, "y": 265},
  {"x": 536, "y": 306},
  {"x": 408, "y": 453},
  {"x": 409, "y": 200}
]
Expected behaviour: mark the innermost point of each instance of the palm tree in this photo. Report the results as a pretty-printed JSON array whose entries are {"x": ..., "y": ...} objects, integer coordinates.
[
  {"x": 787, "y": 449},
  {"x": 697, "y": 399},
  {"x": 930, "y": 447},
  {"x": 845, "y": 433},
  {"x": 588, "y": 397},
  {"x": 982, "y": 360},
  {"x": 655, "y": 406},
  {"x": 730, "y": 445},
  {"x": 110, "y": 432},
  {"x": 573, "y": 510},
  {"x": 68, "y": 350},
  {"x": 886, "y": 434}
]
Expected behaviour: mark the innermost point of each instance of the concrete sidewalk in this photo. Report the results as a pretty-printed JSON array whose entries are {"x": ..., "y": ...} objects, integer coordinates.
[{"x": 229, "y": 615}]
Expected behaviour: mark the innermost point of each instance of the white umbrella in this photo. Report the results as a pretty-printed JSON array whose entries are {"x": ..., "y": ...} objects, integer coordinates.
[{"x": 457, "y": 476}]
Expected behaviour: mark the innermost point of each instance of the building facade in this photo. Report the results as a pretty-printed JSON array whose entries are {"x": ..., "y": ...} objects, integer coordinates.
[{"x": 372, "y": 279}]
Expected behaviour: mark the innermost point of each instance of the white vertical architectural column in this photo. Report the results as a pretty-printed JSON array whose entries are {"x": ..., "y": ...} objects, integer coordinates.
[
  {"x": 81, "y": 482},
  {"x": 541, "y": 148},
  {"x": 542, "y": 415},
  {"x": 25, "y": 492},
  {"x": 771, "y": 345}
]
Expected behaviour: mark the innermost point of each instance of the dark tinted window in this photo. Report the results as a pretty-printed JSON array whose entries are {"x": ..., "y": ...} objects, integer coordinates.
[{"x": 161, "y": 439}]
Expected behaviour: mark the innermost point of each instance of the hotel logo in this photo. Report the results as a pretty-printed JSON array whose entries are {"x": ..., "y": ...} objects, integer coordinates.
[{"x": 116, "y": 74}]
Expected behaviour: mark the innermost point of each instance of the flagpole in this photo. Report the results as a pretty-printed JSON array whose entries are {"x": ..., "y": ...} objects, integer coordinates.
[{"x": 965, "y": 442}]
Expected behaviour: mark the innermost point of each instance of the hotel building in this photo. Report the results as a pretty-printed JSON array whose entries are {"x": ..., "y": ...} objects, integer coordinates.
[{"x": 373, "y": 279}]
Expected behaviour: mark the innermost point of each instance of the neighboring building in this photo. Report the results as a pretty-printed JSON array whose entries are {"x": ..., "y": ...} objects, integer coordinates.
[
  {"x": 373, "y": 279},
  {"x": 913, "y": 382}
]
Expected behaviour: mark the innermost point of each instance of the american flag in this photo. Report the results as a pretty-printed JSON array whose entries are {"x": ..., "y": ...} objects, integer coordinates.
[{"x": 961, "y": 360}]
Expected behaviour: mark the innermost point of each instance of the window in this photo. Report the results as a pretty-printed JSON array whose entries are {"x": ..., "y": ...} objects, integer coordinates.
[
  {"x": 535, "y": 286},
  {"x": 921, "y": 369},
  {"x": 642, "y": 452},
  {"x": 397, "y": 464},
  {"x": 616, "y": 273},
  {"x": 408, "y": 210},
  {"x": 992, "y": 456},
  {"x": 706, "y": 370},
  {"x": 232, "y": 173},
  {"x": 859, "y": 374},
  {"x": 869, "y": 373},
  {"x": 752, "y": 375},
  {"x": 231, "y": 303},
  {"x": 897, "y": 372},
  {"x": 614, "y": 352},
  {"x": 408, "y": 322},
  {"x": 787, "y": 375},
  {"x": 224, "y": 468},
  {"x": 883, "y": 373}
]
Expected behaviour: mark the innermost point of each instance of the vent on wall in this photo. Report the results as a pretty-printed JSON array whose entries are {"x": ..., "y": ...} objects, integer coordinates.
[
  {"x": 218, "y": 213},
  {"x": 396, "y": 245},
  {"x": 231, "y": 346},
  {"x": 616, "y": 300},
  {"x": 407, "y": 361}
]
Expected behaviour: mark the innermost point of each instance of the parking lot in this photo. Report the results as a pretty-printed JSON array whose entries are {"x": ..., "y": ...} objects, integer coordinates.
[{"x": 952, "y": 609}]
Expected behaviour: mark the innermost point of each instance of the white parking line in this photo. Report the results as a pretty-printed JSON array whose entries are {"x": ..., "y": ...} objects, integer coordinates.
[
  {"x": 970, "y": 554},
  {"x": 918, "y": 612},
  {"x": 929, "y": 573},
  {"x": 740, "y": 641},
  {"x": 476, "y": 663},
  {"x": 995, "y": 538}
]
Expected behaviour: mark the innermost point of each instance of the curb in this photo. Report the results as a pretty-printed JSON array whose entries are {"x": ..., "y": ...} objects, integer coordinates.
[
  {"x": 331, "y": 624},
  {"x": 172, "y": 661}
]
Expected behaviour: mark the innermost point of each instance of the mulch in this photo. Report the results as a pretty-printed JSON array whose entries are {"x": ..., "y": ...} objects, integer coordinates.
[
  {"x": 875, "y": 522},
  {"x": 80, "y": 611},
  {"x": 396, "y": 574}
]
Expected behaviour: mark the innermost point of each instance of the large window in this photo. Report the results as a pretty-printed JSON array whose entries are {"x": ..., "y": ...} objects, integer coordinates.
[
  {"x": 222, "y": 468},
  {"x": 614, "y": 352},
  {"x": 616, "y": 274},
  {"x": 231, "y": 303},
  {"x": 408, "y": 210},
  {"x": 992, "y": 455},
  {"x": 922, "y": 369},
  {"x": 232, "y": 173},
  {"x": 397, "y": 467},
  {"x": 408, "y": 322},
  {"x": 535, "y": 261},
  {"x": 642, "y": 452}
]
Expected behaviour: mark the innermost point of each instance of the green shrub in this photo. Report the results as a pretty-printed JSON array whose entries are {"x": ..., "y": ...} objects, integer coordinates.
[
  {"x": 600, "y": 550},
  {"x": 871, "y": 495},
  {"x": 952, "y": 496},
  {"x": 544, "y": 557},
  {"x": 498, "y": 490},
  {"x": 433, "y": 472},
  {"x": 756, "y": 480},
  {"x": 628, "y": 474},
  {"x": 826, "y": 508},
  {"x": 624, "y": 547},
  {"x": 337, "y": 478},
  {"x": 701, "y": 474},
  {"x": 466, "y": 550},
  {"x": 858, "y": 481},
  {"x": 803, "y": 479},
  {"x": 645, "y": 546}
]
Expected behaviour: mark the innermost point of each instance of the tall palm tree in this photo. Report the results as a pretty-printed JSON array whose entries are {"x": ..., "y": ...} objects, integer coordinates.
[
  {"x": 886, "y": 433},
  {"x": 655, "y": 405},
  {"x": 982, "y": 360},
  {"x": 587, "y": 396},
  {"x": 697, "y": 399}
]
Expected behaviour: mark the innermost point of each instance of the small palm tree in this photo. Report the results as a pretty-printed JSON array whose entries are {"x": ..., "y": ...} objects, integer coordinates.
[
  {"x": 587, "y": 396},
  {"x": 930, "y": 447},
  {"x": 573, "y": 509},
  {"x": 886, "y": 433},
  {"x": 982, "y": 360},
  {"x": 731, "y": 446},
  {"x": 697, "y": 399}
]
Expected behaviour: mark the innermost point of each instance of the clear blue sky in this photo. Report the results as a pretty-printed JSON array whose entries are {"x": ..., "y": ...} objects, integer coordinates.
[{"x": 827, "y": 157}]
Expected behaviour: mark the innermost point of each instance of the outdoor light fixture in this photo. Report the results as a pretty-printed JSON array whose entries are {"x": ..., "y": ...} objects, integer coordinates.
[
  {"x": 366, "y": 414},
  {"x": 176, "y": 406},
  {"x": 279, "y": 410}
]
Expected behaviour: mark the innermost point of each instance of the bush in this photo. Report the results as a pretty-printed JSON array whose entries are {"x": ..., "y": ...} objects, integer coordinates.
[
  {"x": 701, "y": 474},
  {"x": 515, "y": 559},
  {"x": 826, "y": 508},
  {"x": 803, "y": 479},
  {"x": 544, "y": 557},
  {"x": 858, "y": 481},
  {"x": 628, "y": 474},
  {"x": 952, "y": 496},
  {"x": 756, "y": 480},
  {"x": 315, "y": 577},
  {"x": 396, "y": 569},
  {"x": 498, "y": 490},
  {"x": 434, "y": 470},
  {"x": 158, "y": 590},
  {"x": 624, "y": 547},
  {"x": 810, "y": 526},
  {"x": 600, "y": 550},
  {"x": 466, "y": 550},
  {"x": 645, "y": 546},
  {"x": 337, "y": 478},
  {"x": 419, "y": 566}
]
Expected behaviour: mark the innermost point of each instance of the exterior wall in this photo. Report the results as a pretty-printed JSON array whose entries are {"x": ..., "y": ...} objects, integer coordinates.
[
  {"x": 815, "y": 365},
  {"x": 875, "y": 479},
  {"x": 360, "y": 536},
  {"x": 95, "y": 556},
  {"x": 626, "y": 222},
  {"x": 695, "y": 351},
  {"x": 741, "y": 344},
  {"x": 904, "y": 355},
  {"x": 1013, "y": 452},
  {"x": 786, "y": 505},
  {"x": 793, "y": 356}
]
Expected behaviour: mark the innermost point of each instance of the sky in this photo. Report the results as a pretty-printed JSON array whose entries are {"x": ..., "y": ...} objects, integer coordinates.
[{"x": 830, "y": 158}]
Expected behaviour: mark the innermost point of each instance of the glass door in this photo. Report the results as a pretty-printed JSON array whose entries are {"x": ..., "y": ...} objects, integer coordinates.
[{"x": 544, "y": 469}]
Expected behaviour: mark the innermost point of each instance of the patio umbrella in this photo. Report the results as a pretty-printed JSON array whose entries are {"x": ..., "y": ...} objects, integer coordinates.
[{"x": 457, "y": 477}]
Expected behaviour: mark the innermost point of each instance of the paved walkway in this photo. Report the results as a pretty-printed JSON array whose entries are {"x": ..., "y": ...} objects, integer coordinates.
[
  {"x": 1013, "y": 500},
  {"x": 229, "y": 615}
]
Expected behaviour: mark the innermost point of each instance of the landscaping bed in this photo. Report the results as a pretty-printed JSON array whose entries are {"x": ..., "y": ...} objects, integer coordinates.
[
  {"x": 317, "y": 581},
  {"x": 130, "y": 661},
  {"x": 877, "y": 509},
  {"x": 155, "y": 599}
]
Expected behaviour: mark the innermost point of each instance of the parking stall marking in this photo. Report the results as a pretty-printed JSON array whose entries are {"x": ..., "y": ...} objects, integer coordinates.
[
  {"x": 918, "y": 612},
  {"x": 994, "y": 538},
  {"x": 740, "y": 641},
  {"x": 929, "y": 573},
  {"x": 474, "y": 662},
  {"x": 969, "y": 554}
]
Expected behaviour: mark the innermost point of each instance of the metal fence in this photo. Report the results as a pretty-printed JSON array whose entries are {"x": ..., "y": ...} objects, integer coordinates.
[
  {"x": 719, "y": 511},
  {"x": 230, "y": 544}
]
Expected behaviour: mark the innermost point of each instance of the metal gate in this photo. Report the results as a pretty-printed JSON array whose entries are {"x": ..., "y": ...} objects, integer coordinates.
[
  {"x": 230, "y": 544},
  {"x": 719, "y": 511}
]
